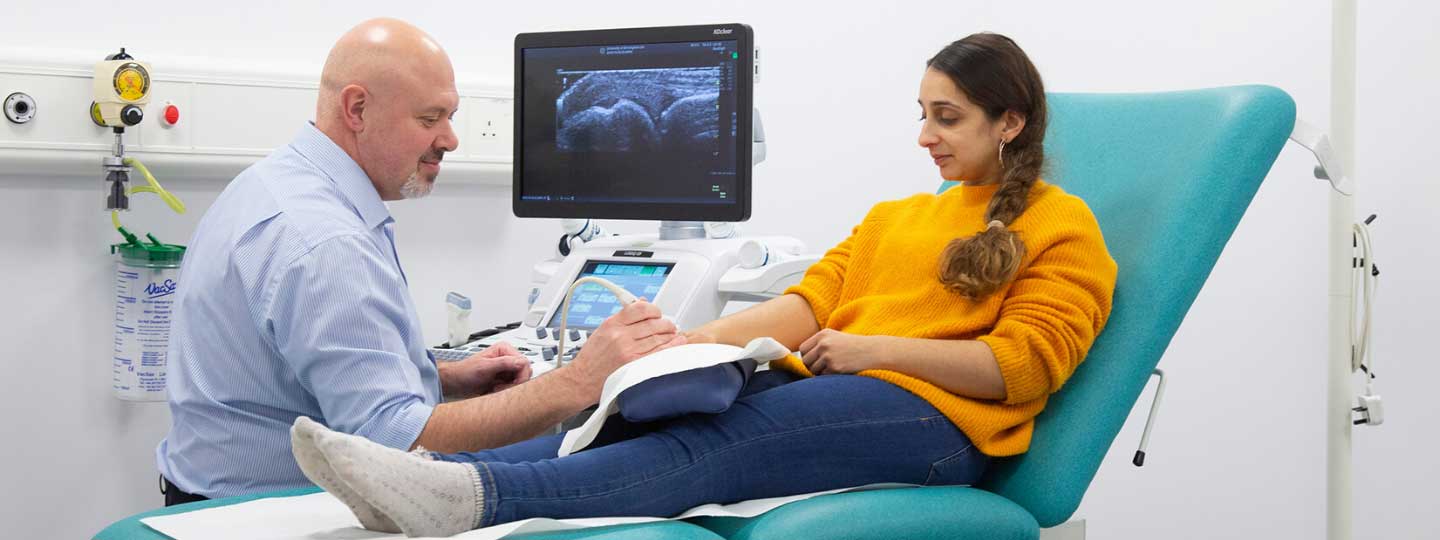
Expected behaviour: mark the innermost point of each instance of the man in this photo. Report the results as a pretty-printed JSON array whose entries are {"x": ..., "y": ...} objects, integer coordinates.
[{"x": 295, "y": 304}]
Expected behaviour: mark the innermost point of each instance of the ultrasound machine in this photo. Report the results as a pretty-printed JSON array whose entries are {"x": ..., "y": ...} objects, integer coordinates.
[{"x": 638, "y": 124}]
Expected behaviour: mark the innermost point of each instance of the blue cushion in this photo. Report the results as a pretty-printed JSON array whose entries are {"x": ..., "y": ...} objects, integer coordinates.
[
  {"x": 708, "y": 390},
  {"x": 1168, "y": 175}
]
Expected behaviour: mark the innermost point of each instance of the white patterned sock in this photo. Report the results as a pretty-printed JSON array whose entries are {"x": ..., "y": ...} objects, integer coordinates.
[
  {"x": 423, "y": 497},
  {"x": 318, "y": 470}
]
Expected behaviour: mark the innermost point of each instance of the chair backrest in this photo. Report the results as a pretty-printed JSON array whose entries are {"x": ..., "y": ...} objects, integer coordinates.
[{"x": 1168, "y": 175}]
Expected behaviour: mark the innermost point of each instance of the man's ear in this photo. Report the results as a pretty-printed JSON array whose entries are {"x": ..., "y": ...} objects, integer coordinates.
[{"x": 353, "y": 100}]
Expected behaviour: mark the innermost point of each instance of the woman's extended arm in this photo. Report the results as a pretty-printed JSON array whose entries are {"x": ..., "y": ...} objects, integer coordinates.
[
  {"x": 787, "y": 318},
  {"x": 962, "y": 367}
]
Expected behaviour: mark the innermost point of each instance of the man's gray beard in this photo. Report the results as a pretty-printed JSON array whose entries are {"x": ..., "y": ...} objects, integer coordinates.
[{"x": 413, "y": 188}]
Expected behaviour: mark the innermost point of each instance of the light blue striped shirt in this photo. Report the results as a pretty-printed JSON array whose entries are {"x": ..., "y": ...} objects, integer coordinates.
[{"x": 291, "y": 302}]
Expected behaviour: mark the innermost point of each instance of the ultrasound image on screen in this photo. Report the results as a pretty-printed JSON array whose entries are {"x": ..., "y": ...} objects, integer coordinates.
[
  {"x": 638, "y": 109},
  {"x": 629, "y": 123}
]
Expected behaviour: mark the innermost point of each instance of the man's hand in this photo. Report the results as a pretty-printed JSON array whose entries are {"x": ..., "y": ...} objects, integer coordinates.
[
  {"x": 634, "y": 332},
  {"x": 496, "y": 368},
  {"x": 835, "y": 352}
]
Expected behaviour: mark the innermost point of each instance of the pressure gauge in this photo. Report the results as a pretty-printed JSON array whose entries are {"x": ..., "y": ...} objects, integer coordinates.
[
  {"x": 121, "y": 89},
  {"x": 132, "y": 81},
  {"x": 19, "y": 107}
]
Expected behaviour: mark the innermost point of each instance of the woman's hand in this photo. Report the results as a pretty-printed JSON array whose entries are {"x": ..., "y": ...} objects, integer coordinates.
[{"x": 835, "y": 352}]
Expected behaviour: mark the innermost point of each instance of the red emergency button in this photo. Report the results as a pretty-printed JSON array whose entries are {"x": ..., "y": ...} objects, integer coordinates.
[{"x": 172, "y": 115}]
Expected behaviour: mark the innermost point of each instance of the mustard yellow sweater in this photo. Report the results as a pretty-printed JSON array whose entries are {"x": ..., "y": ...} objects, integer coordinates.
[{"x": 883, "y": 280}]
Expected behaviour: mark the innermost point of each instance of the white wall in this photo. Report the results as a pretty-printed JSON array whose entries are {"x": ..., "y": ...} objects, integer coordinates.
[{"x": 1239, "y": 448}]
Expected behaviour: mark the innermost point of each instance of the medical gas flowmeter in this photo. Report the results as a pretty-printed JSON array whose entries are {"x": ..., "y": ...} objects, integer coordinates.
[{"x": 122, "y": 89}]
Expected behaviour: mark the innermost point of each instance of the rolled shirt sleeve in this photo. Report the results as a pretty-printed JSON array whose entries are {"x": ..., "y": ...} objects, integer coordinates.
[{"x": 337, "y": 313}]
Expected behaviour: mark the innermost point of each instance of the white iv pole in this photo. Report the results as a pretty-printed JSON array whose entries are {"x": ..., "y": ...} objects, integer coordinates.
[
  {"x": 1336, "y": 153},
  {"x": 1338, "y": 485}
]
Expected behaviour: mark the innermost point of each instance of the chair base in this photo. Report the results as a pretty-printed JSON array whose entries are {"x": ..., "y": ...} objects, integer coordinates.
[{"x": 1070, "y": 530}]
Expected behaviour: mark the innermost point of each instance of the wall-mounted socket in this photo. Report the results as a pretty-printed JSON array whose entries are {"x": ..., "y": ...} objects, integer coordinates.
[{"x": 491, "y": 129}]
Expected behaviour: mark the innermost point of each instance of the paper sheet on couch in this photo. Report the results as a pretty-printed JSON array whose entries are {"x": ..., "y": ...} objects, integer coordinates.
[
  {"x": 673, "y": 360},
  {"x": 321, "y": 516}
]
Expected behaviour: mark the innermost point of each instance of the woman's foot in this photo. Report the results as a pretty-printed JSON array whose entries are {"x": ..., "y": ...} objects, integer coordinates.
[
  {"x": 422, "y": 497},
  {"x": 318, "y": 470}
]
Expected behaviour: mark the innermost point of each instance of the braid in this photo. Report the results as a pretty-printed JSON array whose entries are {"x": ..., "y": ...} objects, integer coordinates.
[
  {"x": 1009, "y": 201},
  {"x": 977, "y": 266}
]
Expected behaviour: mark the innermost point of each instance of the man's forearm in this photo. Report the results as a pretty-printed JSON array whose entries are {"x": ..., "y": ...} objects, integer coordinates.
[
  {"x": 514, "y": 415},
  {"x": 448, "y": 388}
]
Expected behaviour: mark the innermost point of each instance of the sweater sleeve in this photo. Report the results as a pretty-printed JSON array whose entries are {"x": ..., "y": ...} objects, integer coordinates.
[
  {"x": 1055, "y": 307},
  {"x": 824, "y": 280}
]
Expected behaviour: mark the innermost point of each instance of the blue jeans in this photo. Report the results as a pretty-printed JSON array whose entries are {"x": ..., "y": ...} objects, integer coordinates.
[{"x": 784, "y": 435}]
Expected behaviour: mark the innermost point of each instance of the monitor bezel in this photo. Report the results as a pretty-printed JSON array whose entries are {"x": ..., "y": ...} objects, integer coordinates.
[{"x": 666, "y": 211}]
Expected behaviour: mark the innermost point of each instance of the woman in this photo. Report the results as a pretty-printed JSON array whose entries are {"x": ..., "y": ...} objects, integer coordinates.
[{"x": 930, "y": 339}]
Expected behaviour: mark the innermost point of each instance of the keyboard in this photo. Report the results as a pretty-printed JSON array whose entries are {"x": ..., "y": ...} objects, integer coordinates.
[{"x": 540, "y": 345}]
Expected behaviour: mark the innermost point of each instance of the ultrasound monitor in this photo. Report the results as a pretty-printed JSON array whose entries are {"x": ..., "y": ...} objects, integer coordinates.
[{"x": 644, "y": 123}]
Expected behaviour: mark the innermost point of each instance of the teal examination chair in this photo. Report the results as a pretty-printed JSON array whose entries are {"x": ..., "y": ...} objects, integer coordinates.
[{"x": 1168, "y": 175}]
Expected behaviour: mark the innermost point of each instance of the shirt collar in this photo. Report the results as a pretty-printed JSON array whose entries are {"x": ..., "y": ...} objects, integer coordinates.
[{"x": 354, "y": 184}]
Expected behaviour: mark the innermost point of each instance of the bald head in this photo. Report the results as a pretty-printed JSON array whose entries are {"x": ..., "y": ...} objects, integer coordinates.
[
  {"x": 382, "y": 55},
  {"x": 387, "y": 95}
]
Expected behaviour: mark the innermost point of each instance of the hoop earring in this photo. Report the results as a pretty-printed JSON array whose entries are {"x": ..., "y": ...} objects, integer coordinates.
[{"x": 1002, "y": 152}]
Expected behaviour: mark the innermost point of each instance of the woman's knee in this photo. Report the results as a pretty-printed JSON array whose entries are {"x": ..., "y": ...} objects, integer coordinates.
[{"x": 962, "y": 468}]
